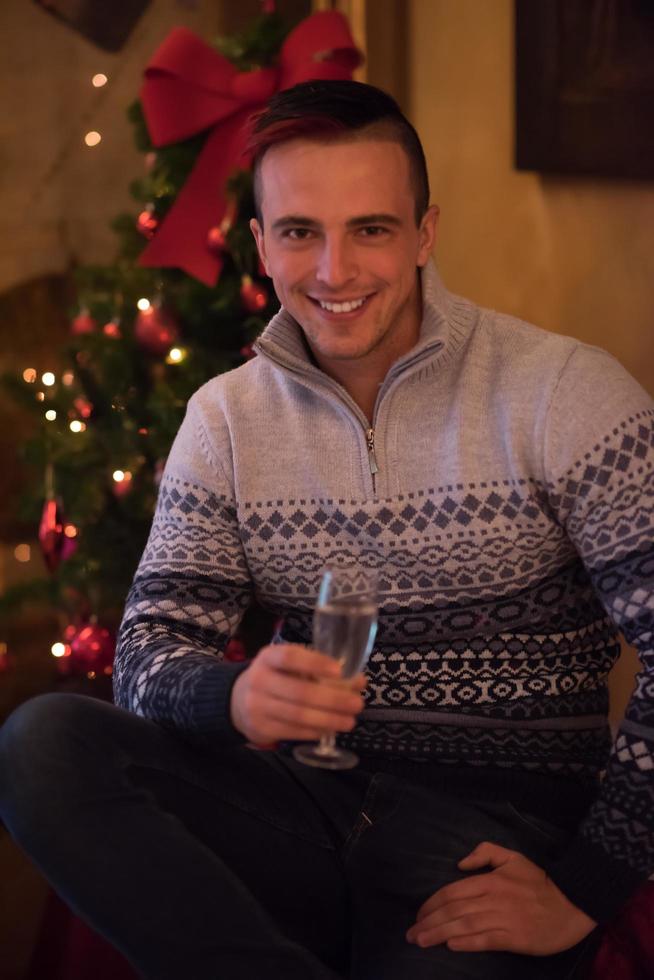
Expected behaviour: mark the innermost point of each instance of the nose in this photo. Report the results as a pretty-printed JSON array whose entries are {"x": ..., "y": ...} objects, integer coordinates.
[{"x": 337, "y": 263}]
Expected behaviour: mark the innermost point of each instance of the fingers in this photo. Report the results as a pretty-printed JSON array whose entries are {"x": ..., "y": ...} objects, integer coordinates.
[
  {"x": 465, "y": 889},
  {"x": 475, "y": 921},
  {"x": 486, "y": 854},
  {"x": 325, "y": 695},
  {"x": 297, "y": 659}
]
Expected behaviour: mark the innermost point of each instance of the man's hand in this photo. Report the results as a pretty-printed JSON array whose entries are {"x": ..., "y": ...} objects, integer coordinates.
[
  {"x": 291, "y": 692},
  {"x": 515, "y": 907}
]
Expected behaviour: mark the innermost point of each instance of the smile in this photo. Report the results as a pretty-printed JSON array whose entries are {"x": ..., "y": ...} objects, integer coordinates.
[{"x": 346, "y": 306}]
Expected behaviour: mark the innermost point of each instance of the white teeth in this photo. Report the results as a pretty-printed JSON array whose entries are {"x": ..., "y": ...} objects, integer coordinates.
[{"x": 343, "y": 307}]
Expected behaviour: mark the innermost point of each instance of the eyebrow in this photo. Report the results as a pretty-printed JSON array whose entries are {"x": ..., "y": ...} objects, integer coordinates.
[{"x": 293, "y": 220}]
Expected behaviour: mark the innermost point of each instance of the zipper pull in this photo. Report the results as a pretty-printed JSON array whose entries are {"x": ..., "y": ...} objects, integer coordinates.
[{"x": 370, "y": 439}]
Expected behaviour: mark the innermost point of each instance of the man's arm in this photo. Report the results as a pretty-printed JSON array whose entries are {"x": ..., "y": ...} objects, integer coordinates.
[
  {"x": 189, "y": 594},
  {"x": 600, "y": 473}
]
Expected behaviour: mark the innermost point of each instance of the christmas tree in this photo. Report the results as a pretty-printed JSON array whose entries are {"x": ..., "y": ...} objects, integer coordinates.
[{"x": 183, "y": 301}]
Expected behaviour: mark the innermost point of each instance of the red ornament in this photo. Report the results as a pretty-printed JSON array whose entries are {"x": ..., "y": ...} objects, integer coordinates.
[
  {"x": 7, "y": 660},
  {"x": 112, "y": 329},
  {"x": 83, "y": 323},
  {"x": 51, "y": 534},
  {"x": 92, "y": 649},
  {"x": 217, "y": 239},
  {"x": 235, "y": 650},
  {"x": 147, "y": 222},
  {"x": 83, "y": 408},
  {"x": 254, "y": 296},
  {"x": 156, "y": 329}
]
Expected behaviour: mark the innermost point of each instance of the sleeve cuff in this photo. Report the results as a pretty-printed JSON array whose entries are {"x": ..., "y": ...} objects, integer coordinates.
[
  {"x": 210, "y": 704},
  {"x": 594, "y": 881}
]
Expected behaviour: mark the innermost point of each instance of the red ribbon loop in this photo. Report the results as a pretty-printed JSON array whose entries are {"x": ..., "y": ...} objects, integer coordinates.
[{"x": 189, "y": 88}]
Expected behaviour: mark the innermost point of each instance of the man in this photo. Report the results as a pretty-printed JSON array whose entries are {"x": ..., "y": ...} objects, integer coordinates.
[{"x": 499, "y": 479}]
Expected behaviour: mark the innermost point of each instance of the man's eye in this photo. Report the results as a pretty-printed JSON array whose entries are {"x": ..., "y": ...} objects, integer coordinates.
[
  {"x": 373, "y": 231},
  {"x": 297, "y": 234}
]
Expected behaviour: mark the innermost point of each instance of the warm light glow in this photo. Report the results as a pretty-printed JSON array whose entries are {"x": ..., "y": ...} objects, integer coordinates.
[
  {"x": 92, "y": 138},
  {"x": 22, "y": 552},
  {"x": 40, "y": 396},
  {"x": 68, "y": 378},
  {"x": 99, "y": 80},
  {"x": 29, "y": 375},
  {"x": 51, "y": 415},
  {"x": 58, "y": 649},
  {"x": 144, "y": 304},
  {"x": 175, "y": 355},
  {"x": 118, "y": 476},
  {"x": 48, "y": 379},
  {"x": 70, "y": 531},
  {"x": 77, "y": 426},
  {"x": 143, "y": 432}
]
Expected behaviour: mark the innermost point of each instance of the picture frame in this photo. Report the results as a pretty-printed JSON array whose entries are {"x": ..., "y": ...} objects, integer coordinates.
[{"x": 584, "y": 87}]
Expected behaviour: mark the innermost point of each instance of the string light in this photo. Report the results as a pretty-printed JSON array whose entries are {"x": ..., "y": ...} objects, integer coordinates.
[
  {"x": 22, "y": 552},
  {"x": 29, "y": 375},
  {"x": 77, "y": 426},
  {"x": 118, "y": 476},
  {"x": 68, "y": 378},
  {"x": 143, "y": 304},
  {"x": 51, "y": 415},
  {"x": 58, "y": 649},
  {"x": 175, "y": 355},
  {"x": 48, "y": 379},
  {"x": 92, "y": 138},
  {"x": 70, "y": 531},
  {"x": 99, "y": 80},
  {"x": 40, "y": 396}
]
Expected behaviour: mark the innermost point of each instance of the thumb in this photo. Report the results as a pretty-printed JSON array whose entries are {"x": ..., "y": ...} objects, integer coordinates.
[{"x": 484, "y": 854}]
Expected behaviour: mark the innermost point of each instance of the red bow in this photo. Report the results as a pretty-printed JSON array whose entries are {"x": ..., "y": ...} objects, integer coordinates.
[{"x": 189, "y": 88}]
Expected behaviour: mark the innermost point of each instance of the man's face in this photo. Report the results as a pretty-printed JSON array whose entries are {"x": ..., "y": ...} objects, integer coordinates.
[{"x": 339, "y": 228}]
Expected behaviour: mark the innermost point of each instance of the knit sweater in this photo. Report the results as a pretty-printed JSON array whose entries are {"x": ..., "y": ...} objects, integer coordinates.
[{"x": 504, "y": 492}]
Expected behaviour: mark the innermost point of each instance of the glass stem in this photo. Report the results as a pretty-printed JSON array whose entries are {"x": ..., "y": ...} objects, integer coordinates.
[{"x": 327, "y": 744}]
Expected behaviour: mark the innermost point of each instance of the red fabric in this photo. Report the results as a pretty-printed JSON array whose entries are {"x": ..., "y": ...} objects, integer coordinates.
[
  {"x": 627, "y": 948},
  {"x": 68, "y": 949},
  {"x": 189, "y": 88}
]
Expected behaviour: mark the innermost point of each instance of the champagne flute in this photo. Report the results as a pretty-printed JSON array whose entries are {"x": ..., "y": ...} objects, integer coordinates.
[{"x": 344, "y": 627}]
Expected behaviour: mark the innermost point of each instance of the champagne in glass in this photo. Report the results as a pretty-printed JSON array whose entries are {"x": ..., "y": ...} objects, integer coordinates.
[{"x": 344, "y": 627}]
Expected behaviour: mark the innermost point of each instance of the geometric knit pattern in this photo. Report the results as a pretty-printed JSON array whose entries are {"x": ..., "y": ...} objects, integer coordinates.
[{"x": 503, "y": 584}]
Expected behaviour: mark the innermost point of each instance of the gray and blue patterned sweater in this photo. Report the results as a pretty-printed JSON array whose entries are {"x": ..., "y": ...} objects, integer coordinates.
[{"x": 505, "y": 493}]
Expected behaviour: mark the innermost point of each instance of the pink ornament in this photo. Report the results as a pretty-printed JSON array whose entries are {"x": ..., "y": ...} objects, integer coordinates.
[
  {"x": 51, "y": 534},
  {"x": 156, "y": 329},
  {"x": 83, "y": 323},
  {"x": 122, "y": 488}
]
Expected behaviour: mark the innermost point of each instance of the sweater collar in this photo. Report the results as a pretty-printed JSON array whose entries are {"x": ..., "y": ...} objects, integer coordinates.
[{"x": 283, "y": 340}]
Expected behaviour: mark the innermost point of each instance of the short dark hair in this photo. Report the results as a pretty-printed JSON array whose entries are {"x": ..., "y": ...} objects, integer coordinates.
[{"x": 336, "y": 110}]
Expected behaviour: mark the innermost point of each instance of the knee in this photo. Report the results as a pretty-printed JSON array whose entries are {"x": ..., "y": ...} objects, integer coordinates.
[{"x": 37, "y": 747}]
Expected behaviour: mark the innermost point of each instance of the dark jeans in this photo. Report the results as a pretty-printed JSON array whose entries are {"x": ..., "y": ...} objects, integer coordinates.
[{"x": 235, "y": 864}]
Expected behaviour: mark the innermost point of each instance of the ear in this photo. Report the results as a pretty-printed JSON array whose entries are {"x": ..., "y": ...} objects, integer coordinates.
[
  {"x": 427, "y": 234},
  {"x": 257, "y": 231}
]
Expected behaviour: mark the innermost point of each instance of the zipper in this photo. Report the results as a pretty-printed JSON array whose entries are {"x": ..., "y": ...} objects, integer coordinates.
[{"x": 372, "y": 459}]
